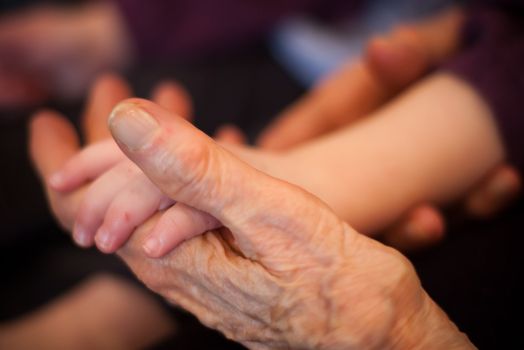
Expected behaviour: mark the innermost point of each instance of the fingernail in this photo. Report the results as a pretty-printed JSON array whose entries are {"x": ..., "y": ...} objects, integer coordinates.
[
  {"x": 81, "y": 237},
  {"x": 132, "y": 125},
  {"x": 152, "y": 246},
  {"x": 103, "y": 239}
]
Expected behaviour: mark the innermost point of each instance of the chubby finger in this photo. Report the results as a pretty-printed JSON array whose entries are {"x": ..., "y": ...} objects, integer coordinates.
[
  {"x": 177, "y": 224},
  {"x": 133, "y": 205},
  {"x": 107, "y": 91},
  {"x": 422, "y": 227},
  {"x": 495, "y": 192},
  {"x": 174, "y": 98},
  {"x": 86, "y": 165},
  {"x": 230, "y": 134},
  {"x": 97, "y": 200}
]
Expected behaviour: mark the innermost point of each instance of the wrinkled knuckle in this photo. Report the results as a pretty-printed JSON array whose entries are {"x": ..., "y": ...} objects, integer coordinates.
[
  {"x": 184, "y": 165},
  {"x": 195, "y": 159}
]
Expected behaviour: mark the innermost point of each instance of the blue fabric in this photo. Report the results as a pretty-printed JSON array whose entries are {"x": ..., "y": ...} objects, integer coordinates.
[{"x": 309, "y": 49}]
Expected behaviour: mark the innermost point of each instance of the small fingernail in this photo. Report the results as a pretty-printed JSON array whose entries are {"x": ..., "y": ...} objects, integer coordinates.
[
  {"x": 152, "y": 246},
  {"x": 131, "y": 125},
  {"x": 103, "y": 239},
  {"x": 81, "y": 237}
]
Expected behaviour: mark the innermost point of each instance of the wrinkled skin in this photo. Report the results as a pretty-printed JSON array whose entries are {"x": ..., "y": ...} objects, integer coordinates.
[
  {"x": 285, "y": 273},
  {"x": 351, "y": 293},
  {"x": 293, "y": 274}
]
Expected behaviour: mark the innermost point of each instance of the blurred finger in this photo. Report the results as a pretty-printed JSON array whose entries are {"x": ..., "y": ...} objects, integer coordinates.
[
  {"x": 495, "y": 193},
  {"x": 396, "y": 64},
  {"x": 423, "y": 227},
  {"x": 175, "y": 98},
  {"x": 404, "y": 55},
  {"x": 439, "y": 35},
  {"x": 52, "y": 141},
  {"x": 106, "y": 92},
  {"x": 349, "y": 94},
  {"x": 230, "y": 134}
]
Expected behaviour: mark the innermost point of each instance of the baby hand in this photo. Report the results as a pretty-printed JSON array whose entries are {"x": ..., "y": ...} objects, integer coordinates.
[{"x": 120, "y": 199}]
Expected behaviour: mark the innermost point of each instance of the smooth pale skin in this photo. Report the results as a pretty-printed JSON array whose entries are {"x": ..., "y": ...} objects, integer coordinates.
[
  {"x": 433, "y": 144},
  {"x": 286, "y": 273}
]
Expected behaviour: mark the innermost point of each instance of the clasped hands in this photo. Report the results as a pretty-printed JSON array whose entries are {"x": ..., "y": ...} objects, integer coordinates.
[{"x": 282, "y": 271}]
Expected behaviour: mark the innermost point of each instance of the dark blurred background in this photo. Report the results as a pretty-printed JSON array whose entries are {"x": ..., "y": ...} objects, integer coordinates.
[{"x": 474, "y": 277}]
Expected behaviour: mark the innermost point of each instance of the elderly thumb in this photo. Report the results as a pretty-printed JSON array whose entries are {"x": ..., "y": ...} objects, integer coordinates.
[{"x": 187, "y": 165}]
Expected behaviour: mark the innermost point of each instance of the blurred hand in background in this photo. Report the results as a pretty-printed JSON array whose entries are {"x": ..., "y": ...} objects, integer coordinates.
[{"x": 57, "y": 51}]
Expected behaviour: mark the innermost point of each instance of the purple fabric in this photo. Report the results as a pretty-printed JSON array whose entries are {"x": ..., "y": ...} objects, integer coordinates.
[
  {"x": 185, "y": 28},
  {"x": 493, "y": 62}
]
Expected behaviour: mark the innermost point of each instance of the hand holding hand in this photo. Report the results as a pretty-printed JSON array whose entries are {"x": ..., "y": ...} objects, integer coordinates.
[{"x": 284, "y": 271}]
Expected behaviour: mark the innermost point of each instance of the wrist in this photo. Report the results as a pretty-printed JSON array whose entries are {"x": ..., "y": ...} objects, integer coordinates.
[
  {"x": 378, "y": 302},
  {"x": 428, "y": 328}
]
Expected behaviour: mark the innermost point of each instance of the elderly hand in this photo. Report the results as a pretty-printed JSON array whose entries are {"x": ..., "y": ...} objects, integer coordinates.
[{"x": 284, "y": 272}]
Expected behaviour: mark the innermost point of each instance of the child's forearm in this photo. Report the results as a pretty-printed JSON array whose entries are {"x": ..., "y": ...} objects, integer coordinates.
[{"x": 431, "y": 144}]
